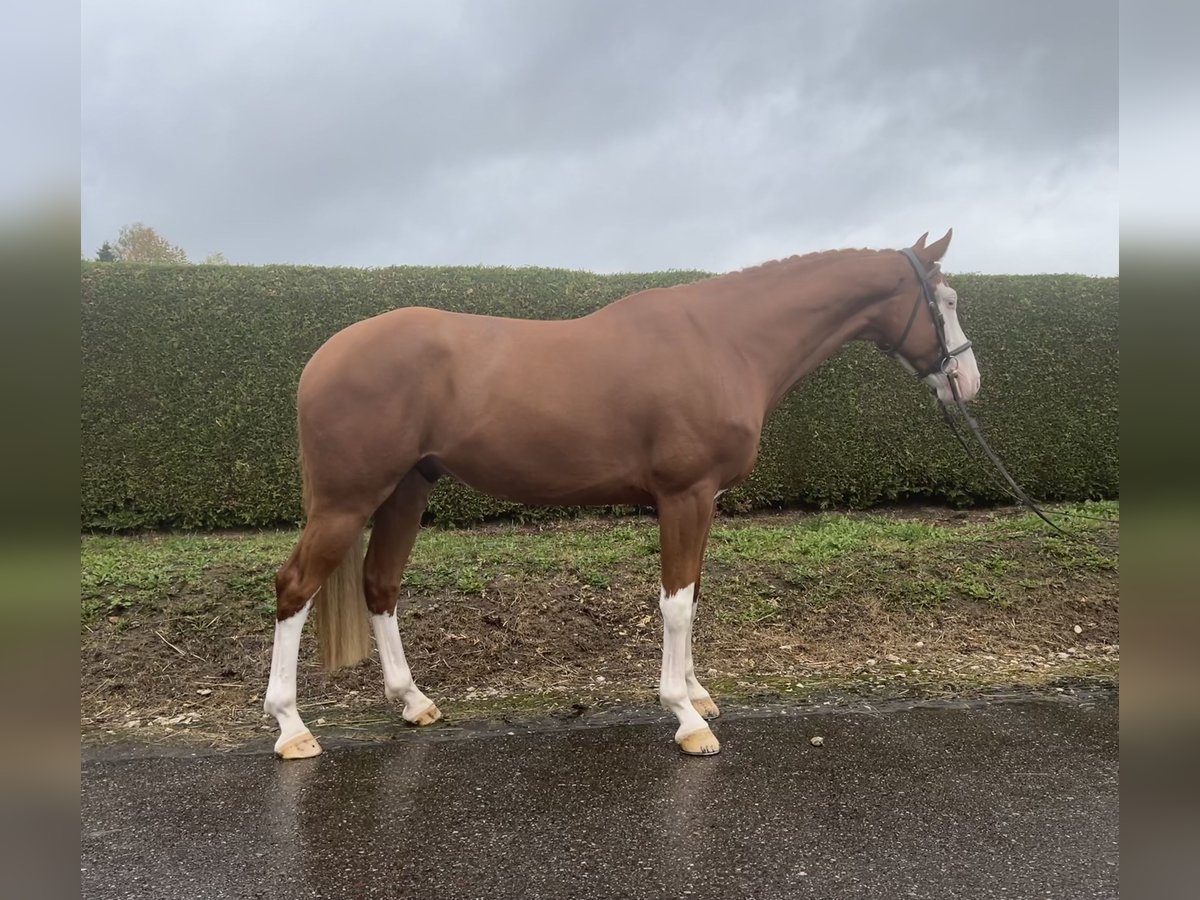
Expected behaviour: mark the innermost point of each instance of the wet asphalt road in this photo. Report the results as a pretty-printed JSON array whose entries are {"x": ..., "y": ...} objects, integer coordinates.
[{"x": 1014, "y": 800}]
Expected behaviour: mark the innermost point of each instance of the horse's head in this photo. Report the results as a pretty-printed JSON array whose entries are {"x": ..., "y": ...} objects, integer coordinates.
[{"x": 919, "y": 325}]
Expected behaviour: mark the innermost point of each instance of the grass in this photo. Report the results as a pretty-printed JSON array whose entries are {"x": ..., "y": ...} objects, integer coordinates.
[
  {"x": 119, "y": 572},
  {"x": 755, "y": 561},
  {"x": 184, "y": 622}
]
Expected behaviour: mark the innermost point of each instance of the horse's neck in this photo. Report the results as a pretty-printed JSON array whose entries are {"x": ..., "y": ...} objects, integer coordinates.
[{"x": 787, "y": 322}]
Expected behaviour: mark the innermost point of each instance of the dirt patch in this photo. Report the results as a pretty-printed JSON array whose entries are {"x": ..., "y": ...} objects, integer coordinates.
[{"x": 177, "y": 630}]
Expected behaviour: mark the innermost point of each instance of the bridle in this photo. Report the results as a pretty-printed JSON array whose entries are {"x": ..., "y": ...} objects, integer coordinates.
[
  {"x": 947, "y": 364},
  {"x": 947, "y": 361}
]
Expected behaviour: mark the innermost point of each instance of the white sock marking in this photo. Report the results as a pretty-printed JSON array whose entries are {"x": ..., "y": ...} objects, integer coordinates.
[
  {"x": 397, "y": 677},
  {"x": 673, "y": 684},
  {"x": 695, "y": 689},
  {"x": 281, "y": 688}
]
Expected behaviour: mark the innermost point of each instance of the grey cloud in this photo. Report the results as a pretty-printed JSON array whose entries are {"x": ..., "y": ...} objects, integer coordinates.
[{"x": 605, "y": 136}]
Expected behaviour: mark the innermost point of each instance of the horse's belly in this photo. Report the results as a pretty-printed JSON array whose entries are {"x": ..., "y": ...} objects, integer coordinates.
[{"x": 549, "y": 479}]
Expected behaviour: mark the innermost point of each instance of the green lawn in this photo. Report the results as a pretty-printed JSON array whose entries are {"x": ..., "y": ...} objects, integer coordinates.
[{"x": 826, "y": 552}]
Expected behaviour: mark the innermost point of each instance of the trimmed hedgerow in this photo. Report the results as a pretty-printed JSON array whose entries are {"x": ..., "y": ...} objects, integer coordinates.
[{"x": 189, "y": 376}]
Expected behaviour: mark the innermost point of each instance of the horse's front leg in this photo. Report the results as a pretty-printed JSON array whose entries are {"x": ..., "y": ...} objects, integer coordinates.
[
  {"x": 702, "y": 701},
  {"x": 683, "y": 521}
]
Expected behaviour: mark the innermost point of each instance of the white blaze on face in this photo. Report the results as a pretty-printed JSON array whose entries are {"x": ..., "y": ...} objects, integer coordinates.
[{"x": 967, "y": 372}]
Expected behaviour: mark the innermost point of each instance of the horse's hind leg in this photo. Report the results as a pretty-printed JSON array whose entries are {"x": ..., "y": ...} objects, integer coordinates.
[
  {"x": 326, "y": 540},
  {"x": 397, "y": 522}
]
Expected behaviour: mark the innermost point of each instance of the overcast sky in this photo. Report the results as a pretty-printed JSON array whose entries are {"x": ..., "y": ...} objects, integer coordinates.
[{"x": 611, "y": 136}]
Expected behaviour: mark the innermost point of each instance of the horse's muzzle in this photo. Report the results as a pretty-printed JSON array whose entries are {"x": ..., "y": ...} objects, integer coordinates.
[{"x": 965, "y": 372}]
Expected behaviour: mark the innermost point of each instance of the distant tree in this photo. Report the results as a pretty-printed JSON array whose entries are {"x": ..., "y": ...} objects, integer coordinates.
[
  {"x": 216, "y": 258},
  {"x": 141, "y": 243},
  {"x": 107, "y": 253}
]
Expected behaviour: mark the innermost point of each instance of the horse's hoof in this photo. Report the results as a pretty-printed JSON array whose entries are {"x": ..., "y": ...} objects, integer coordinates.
[
  {"x": 427, "y": 716},
  {"x": 706, "y": 708},
  {"x": 302, "y": 746},
  {"x": 699, "y": 743}
]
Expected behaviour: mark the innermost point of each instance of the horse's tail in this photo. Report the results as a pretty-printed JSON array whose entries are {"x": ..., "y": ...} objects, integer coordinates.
[{"x": 343, "y": 632}]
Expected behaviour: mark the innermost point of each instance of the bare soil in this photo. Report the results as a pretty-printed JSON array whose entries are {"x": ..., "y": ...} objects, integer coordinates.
[{"x": 180, "y": 654}]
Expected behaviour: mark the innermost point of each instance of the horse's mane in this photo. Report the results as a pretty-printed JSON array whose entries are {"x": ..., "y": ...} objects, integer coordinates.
[{"x": 799, "y": 258}]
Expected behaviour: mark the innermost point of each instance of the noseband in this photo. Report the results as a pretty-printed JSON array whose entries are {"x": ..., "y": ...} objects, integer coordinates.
[{"x": 947, "y": 361}]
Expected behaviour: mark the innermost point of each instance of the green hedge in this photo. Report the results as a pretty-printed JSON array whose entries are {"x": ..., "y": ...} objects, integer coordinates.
[{"x": 189, "y": 376}]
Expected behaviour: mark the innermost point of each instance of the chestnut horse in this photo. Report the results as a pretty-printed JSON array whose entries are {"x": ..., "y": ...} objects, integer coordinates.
[{"x": 657, "y": 399}]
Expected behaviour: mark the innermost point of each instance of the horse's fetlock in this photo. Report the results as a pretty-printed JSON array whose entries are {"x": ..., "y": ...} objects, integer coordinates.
[
  {"x": 275, "y": 706},
  {"x": 398, "y": 688},
  {"x": 672, "y": 695}
]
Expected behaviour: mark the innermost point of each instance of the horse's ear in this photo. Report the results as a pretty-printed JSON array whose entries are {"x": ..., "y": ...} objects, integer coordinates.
[
  {"x": 935, "y": 251},
  {"x": 920, "y": 244}
]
